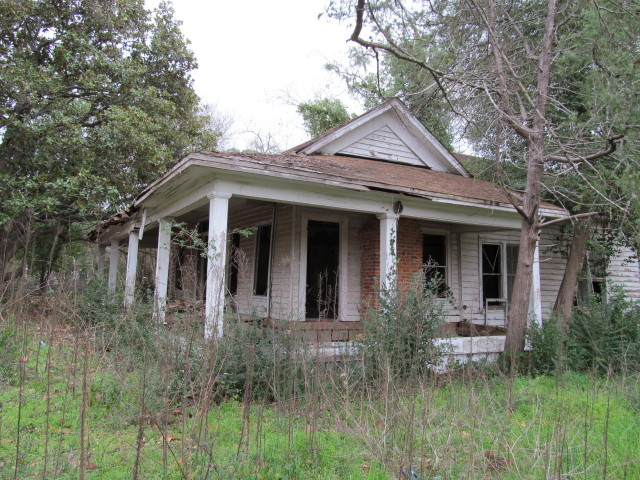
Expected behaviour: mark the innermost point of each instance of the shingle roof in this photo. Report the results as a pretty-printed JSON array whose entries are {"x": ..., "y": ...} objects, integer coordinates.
[{"x": 381, "y": 175}]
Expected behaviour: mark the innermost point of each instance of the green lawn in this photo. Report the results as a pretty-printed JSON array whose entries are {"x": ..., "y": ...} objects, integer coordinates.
[{"x": 450, "y": 427}]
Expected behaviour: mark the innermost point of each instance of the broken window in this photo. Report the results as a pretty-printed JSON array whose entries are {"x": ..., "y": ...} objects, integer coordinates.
[
  {"x": 592, "y": 279},
  {"x": 434, "y": 259},
  {"x": 496, "y": 259},
  {"x": 263, "y": 254}
]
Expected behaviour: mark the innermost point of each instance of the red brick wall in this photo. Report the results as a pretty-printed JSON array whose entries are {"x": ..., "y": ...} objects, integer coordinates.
[{"x": 409, "y": 255}]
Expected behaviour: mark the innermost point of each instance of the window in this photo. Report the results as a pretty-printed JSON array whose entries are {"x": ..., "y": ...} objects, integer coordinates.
[
  {"x": 592, "y": 280},
  {"x": 263, "y": 254},
  {"x": 434, "y": 259},
  {"x": 234, "y": 254},
  {"x": 499, "y": 262}
]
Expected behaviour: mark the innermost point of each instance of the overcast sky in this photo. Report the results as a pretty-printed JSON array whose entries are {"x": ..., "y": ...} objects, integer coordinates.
[{"x": 253, "y": 55}]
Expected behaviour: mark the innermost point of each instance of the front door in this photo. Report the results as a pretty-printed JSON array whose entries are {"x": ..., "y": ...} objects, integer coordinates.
[{"x": 323, "y": 262}]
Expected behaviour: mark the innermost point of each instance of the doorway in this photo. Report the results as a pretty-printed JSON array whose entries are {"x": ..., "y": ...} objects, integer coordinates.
[{"x": 323, "y": 268}]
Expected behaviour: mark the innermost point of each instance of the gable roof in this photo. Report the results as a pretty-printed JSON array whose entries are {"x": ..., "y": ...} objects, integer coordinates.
[{"x": 388, "y": 132}]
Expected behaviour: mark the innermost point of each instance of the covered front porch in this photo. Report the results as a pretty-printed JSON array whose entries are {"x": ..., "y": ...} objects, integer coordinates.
[{"x": 307, "y": 254}]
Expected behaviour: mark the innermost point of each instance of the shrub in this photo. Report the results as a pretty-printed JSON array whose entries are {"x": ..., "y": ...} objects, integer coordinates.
[
  {"x": 263, "y": 362},
  {"x": 605, "y": 335},
  {"x": 545, "y": 343},
  {"x": 400, "y": 336}
]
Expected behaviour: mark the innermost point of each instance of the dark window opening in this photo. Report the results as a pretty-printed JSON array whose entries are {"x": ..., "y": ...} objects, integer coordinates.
[
  {"x": 491, "y": 273},
  {"x": 263, "y": 254},
  {"x": 234, "y": 254},
  {"x": 434, "y": 259},
  {"x": 323, "y": 263}
]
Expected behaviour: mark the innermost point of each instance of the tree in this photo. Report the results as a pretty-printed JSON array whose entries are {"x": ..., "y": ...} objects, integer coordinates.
[
  {"x": 96, "y": 100},
  {"x": 507, "y": 67},
  {"x": 323, "y": 114}
]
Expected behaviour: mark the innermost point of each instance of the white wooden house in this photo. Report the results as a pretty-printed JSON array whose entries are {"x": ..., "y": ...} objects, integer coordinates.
[{"x": 330, "y": 217}]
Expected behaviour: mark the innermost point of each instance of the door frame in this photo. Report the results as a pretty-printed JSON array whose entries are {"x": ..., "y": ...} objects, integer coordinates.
[{"x": 342, "y": 221}]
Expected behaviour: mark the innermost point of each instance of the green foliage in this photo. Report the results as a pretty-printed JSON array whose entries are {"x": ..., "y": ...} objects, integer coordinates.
[
  {"x": 263, "y": 362},
  {"x": 400, "y": 337},
  {"x": 322, "y": 115},
  {"x": 605, "y": 335},
  {"x": 96, "y": 100},
  {"x": 545, "y": 341}
]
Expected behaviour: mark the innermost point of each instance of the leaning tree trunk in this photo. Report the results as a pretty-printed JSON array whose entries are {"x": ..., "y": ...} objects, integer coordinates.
[{"x": 575, "y": 260}]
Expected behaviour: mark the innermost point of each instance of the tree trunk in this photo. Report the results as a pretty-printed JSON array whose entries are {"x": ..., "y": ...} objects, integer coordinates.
[{"x": 575, "y": 260}]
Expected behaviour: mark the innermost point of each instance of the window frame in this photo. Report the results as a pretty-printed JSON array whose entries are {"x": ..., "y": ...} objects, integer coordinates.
[
  {"x": 256, "y": 251},
  {"x": 504, "y": 270},
  {"x": 447, "y": 245}
]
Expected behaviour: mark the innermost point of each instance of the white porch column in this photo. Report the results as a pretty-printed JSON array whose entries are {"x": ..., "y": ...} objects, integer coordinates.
[
  {"x": 162, "y": 269},
  {"x": 388, "y": 248},
  {"x": 102, "y": 249},
  {"x": 114, "y": 257},
  {"x": 132, "y": 266},
  {"x": 535, "y": 303},
  {"x": 216, "y": 264}
]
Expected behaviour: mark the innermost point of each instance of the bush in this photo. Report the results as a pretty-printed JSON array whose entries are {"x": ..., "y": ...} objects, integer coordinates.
[
  {"x": 265, "y": 363},
  {"x": 545, "y": 343},
  {"x": 400, "y": 336},
  {"x": 605, "y": 335}
]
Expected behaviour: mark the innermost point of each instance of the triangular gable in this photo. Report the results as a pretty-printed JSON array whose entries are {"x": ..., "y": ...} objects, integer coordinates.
[{"x": 389, "y": 132}]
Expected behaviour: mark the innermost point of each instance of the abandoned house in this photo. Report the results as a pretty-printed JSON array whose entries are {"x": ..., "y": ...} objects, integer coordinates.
[{"x": 305, "y": 235}]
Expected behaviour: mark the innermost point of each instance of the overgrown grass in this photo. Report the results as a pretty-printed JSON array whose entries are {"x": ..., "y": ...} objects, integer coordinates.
[{"x": 134, "y": 401}]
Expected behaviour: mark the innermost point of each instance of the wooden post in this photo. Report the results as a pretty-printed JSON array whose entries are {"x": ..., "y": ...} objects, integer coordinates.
[
  {"x": 216, "y": 264},
  {"x": 132, "y": 266},
  {"x": 535, "y": 304},
  {"x": 388, "y": 249},
  {"x": 114, "y": 257},
  {"x": 162, "y": 269}
]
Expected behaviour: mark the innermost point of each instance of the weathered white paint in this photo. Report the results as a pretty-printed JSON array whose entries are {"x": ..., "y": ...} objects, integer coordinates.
[
  {"x": 246, "y": 218},
  {"x": 343, "y": 273},
  {"x": 383, "y": 144},
  {"x": 624, "y": 271},
  {"x": 216, "y": 264},
  {"x": 388, "y": 249},
  {"x": 396, "y": 116},
  {"x": 132, "y": 267},
  {"x": 535, "y": 302},
  {"x": 102, "y": 250},
  {"x": 114, "y": 258},
  {"x": 162, "y": 269}
]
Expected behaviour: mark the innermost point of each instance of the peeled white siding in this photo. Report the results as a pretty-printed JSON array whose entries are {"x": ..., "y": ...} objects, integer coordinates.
[
  {"x": 246, "y": 217},
  {"x": 624, "y": 271},
  {"x": 384, "y": 144},
  {"x": 354, "y": 267},
  {"x": 551, "y": 271}
]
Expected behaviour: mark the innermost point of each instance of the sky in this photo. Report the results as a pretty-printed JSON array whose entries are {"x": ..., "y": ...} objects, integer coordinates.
[{"x": 257, "y": 58}]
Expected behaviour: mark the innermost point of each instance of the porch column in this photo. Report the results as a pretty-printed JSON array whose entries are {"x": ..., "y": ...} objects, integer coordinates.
[
  {"x": 388, "y": 249},
  {"x": 114, "y": 257},
  {"x": 162, "y": 269},
  {"x": 132, "y": 266},
  {"x": 216, "y": 263},
  {"x": 102, "y": 249},
  {"x": 535, "y": 303}
]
